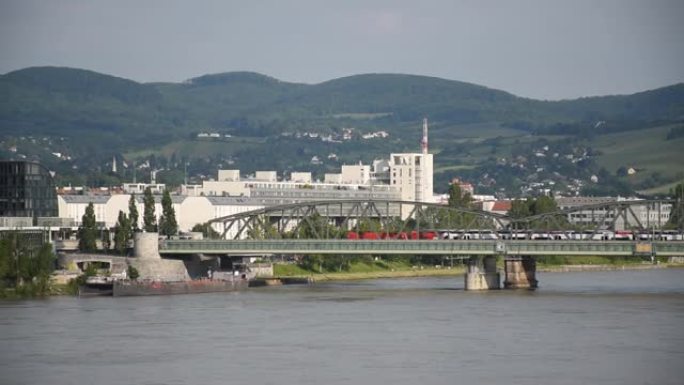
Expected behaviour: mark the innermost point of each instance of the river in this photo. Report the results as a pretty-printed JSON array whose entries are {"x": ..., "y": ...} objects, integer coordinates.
[{"x": 620, "y": 327}]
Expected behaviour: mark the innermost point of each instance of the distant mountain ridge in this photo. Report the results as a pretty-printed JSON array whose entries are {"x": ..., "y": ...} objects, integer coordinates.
[
  {"x": 51, "y": 99},
  {"x": 76, "y": 121},
  {"x": 53, "y": 80}
]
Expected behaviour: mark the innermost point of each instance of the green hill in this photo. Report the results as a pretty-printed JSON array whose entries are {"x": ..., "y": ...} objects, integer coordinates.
[
  {"x": 96, "y": 110},
  {"x": 98, "y": 116}
]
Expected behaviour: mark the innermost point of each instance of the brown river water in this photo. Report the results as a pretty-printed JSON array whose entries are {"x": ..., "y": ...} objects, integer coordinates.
[{"x": 617, "y": 327}]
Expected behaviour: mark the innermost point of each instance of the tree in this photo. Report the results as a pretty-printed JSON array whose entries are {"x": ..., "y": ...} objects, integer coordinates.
[
  {"x": 167, "y": 223},
  {"x": 106, "y": 239},
  {"x": 149, "y": 219},
  {"x": 531, "y": 206},
  {"x": 122, "y": 233},
  {"x": 207, "y": 231},
  {"x": 458, "y": 198},
  {"x": 133, "y": 215},
  {"x": 315, "y": 226},
  {"x": 519, "y": 209},
  {"x": 261, "y": 230},
  {"x": 676, "y": 220},
  {"x": 25, "y": 265},
  {"x": 368, "y": 224},
  {"x": 43, "y": 263},
  {"x": 133, "y": 273},
  {"x": 12, "y": 248},
  {"x": 542, "y": 205},
  {"x": 87, "y": 239}
]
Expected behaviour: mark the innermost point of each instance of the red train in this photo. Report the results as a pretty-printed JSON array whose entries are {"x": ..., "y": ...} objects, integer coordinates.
[{"x": 374, "y": 235}]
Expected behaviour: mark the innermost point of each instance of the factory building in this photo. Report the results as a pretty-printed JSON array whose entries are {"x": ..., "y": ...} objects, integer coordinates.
[{"x": 404, "y": 176}]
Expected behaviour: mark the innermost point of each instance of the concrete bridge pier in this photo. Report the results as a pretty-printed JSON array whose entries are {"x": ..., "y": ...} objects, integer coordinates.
[
  {"x": 481, "y": 274},
  {"x": 150, "y": 264},
  {"x": 146, "y": 246},
  {"x": 520, "y": 273}
]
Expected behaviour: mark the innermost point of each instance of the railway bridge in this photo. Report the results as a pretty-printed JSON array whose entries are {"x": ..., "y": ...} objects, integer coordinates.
[{"x": 324, "y": 228}]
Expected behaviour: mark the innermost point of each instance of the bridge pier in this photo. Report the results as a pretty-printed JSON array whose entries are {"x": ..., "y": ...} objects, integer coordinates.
[
  {"x": 520, "y": 273},
  {"x": 146, "y": 246},
  {"x": 481, "y": 274},
  {"x": 150, "y": 264}
]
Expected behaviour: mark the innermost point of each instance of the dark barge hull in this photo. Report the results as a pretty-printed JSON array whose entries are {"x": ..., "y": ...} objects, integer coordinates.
[
  {"x": 133, "y": 288},
  {"x": 96, "y": 290}
]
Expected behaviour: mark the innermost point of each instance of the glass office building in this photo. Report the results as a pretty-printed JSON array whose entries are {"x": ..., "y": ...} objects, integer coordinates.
[{"x": 26, "y": 190}]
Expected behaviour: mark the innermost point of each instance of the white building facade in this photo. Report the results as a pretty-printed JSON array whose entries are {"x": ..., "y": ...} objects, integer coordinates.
[{"x": 412, "y": 175}]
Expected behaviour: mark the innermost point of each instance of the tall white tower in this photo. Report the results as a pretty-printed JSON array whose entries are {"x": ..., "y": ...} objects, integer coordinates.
[
  {"x": 424, "y": 141},
  {"x": 114, "y": 164},
  {"x": 412, "y": 172}
]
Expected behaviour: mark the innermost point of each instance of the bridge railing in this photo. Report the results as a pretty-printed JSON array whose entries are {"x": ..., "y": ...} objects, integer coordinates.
[{"x": 422, "y": 247}]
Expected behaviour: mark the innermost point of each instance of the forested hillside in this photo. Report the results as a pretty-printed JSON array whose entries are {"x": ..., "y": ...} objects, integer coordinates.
[{"x": 88, "y": 118}]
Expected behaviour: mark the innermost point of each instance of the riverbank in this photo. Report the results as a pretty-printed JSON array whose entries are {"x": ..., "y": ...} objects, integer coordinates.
[
  {"x": 576, "y": 268},
  {"x": 369, "y": 270},
  {"x": 455, "y": 271},
  {"x": 293, "y": 271},
  {"x": 432, "y": 272}
]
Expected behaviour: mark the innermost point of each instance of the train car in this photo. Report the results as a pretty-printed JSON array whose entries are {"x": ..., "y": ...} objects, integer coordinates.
[
  {"x": 490, "y": 235},
  {"x": 450, "y": 234},
  {"x": 428, "y": 235},
  {"x": 666, "y": 235},
  {"x": 400, "y": 235},
  {"x": 540, "y": 236},
  {"x": 560, "y": 235},
  {"x": 623, "y": 235},
  {"x": 511, "y": 235},
  {"x": 370, "y": 235},
  {"x": 575, "y": 235},
  {"x": 600, "y": 235},
  {"x": 404, "y": 236}
]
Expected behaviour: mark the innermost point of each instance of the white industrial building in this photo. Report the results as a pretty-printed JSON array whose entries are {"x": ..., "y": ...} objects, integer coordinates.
[
  {"x": 189, "y": 210},
  {"x": 404, "y": 176},
  {"x": 650, "y": 215}
]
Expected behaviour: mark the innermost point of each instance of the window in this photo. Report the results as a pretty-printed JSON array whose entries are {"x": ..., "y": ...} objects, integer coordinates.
[{"x": 28, "y": 190}]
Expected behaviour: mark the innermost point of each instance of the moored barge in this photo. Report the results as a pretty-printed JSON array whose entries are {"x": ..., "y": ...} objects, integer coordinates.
[{"x": 123, "y": 288}]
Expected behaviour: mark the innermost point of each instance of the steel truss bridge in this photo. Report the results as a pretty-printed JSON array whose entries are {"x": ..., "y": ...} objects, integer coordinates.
[
  {"x": 320, "y": 228},
  {"x": 320, "y": 219}
]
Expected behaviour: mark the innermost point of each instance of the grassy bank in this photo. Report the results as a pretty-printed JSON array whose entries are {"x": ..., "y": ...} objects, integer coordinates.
[
  {"x": 613, "y": 267},
  {"x": 387, "y": 269},
  {"x": 28, "y": 292},
  {"x": 553, "y": 261},
  {"x": 367, "y": 271}
]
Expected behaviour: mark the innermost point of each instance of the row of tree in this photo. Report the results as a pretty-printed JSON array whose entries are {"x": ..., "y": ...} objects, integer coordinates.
[
  {"x": 127, "y": 224},
  {"x": 25, "y": 265},
  {"x": 677, "y": 215}
]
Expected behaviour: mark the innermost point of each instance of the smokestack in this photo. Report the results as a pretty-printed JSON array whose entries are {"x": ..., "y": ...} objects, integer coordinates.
[{"x": 424, "y": 141}]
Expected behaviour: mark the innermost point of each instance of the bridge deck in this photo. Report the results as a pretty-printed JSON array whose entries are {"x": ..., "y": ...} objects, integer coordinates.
[{"x": 424, "y": 247}]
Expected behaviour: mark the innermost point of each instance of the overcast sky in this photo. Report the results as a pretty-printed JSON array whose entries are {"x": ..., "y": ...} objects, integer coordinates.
[{"x": 535, "y": 48}]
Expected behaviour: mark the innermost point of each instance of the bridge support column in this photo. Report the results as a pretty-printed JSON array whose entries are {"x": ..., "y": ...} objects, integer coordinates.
[
  {"x": 481, "y": 274},
  {"x": 146, "y": 245},
  {"x": 520, "y": 273},
  {"x": 150, "y": 264}
]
